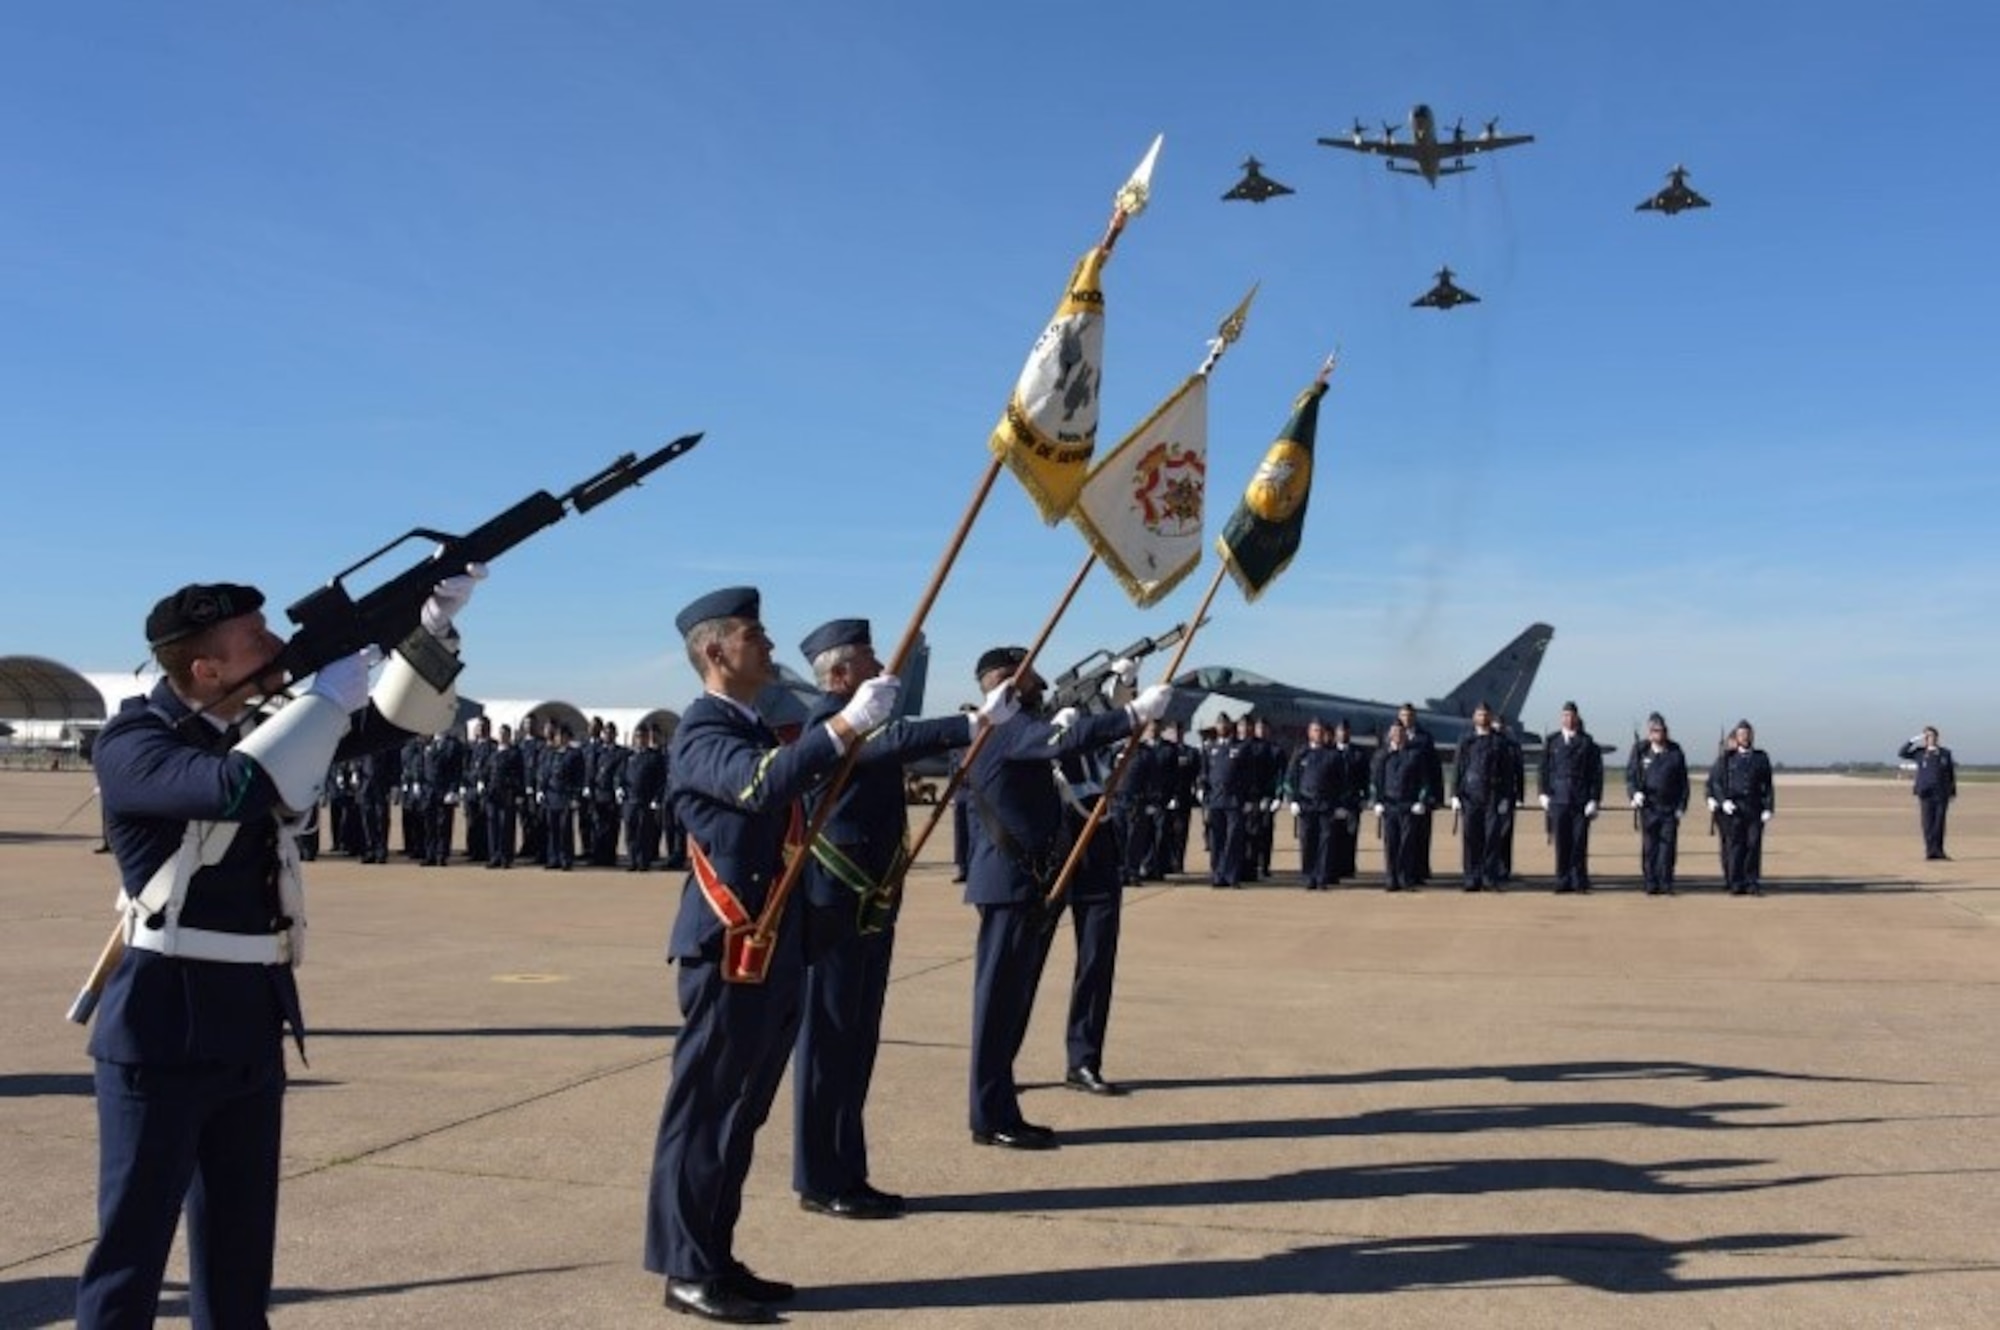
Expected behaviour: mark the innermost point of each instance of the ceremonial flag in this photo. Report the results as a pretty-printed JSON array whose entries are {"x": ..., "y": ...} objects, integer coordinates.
[
  {"x": 1049, "y": 429},
  {"x": 1264, "y": 532},
  {"x": 1141, "y": 508}
]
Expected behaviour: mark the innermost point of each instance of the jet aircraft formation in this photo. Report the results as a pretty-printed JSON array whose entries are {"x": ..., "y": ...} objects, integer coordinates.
[{"x": 1429, "y": 155}]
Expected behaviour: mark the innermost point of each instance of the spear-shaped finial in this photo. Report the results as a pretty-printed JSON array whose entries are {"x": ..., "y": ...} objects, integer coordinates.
[
  {"x": 1134, "y": 194},
  {"x": 1229, "y": 330},
  {"x": 1326, "y": 370}
]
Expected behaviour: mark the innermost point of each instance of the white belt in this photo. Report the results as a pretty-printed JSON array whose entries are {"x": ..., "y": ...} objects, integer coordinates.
[{"x": 205, "y": 944}]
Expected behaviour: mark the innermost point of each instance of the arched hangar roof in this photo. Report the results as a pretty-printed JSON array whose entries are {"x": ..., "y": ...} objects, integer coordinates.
[{"x": 36, "y": 688}]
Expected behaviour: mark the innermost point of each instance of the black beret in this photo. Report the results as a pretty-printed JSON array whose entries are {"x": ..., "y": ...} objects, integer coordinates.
[
  {"x": 835, "y": 633},
  {"x": 196, "y": 607},
  {"x": 1657, "y": 719},
  {"x": 1571, "y": 706},
  {"x": 999, "y": 658},
  {"x": 731, "y": 602},
  {"x": 1745, "y": 725}
]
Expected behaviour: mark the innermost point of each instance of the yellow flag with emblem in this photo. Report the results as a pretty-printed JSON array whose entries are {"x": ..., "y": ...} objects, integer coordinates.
[{"x": 1049, "y": 430}]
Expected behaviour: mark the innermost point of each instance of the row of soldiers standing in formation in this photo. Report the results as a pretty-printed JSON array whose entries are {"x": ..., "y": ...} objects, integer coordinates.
[
  {"x": 1241, "y": 779},
  {"x": 547, "y": 799}
]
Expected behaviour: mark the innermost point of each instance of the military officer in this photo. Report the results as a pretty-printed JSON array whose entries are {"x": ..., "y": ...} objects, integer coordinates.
[
  {"x": 1136, "y": 805},
  {"x": 642, "y": 786},
  {"x": 606, "y": 761},
  {"x": 1656, "y": 779},
  {"x": 384, "y": 774},
  {"x": 1226, "y": 782},
  {"x": 1313, "y": 783},
  {"x": 1402, "y": 804},
  {"x": 471, "y": 790},
  {"x": 189, "y": 1034},
  {"x": 1018, "y": 848},
  {"x": 1350, "y": 796},
  {"x": 1420, "y": 741},
  {"x": 562, "y": 781},
  {"x": 852, "y": 890},
  {"x": 444, "y": 778},
  {"x": 1182, "y": 765},
  {"x": 1096, "y": 905},
  {"x": 1572, "y": 786},
  {"x": 1742, "y": 792},
  {"x": 1480, "y": 784},
  {"x": 1935, "y": 785},
  {"x": 1267, "y": 767},
  {"x": 504, "y": 786},
  {"x": 1508, "y": 806},
  {"x": 736, "y": 789}
]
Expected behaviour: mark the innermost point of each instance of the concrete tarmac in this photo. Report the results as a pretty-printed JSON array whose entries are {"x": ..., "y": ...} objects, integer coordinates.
[{"x": 1349, "y": 1108}]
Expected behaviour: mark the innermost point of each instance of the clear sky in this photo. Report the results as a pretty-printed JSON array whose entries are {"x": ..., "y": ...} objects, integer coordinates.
[{"x": 280, "y": 281}]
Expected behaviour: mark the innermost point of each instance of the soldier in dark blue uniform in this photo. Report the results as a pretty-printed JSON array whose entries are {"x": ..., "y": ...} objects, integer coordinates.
[
  {"x": 1350, "y": 796},
  {"x": 1182, "y": 765},
  {"x": 560, "y": 785},
  {"x": 1572, "y": 786},
  {"x": 1225, "y": 784},
  {"x": 1267, "y": 777},
  {"x": 642, "y": 788},
  {"x": 1096, "y": 905},
  {"x": 413, "y": 817},
  {"x": 736, "y": 789},
  {"x": 1313, "y": 784},
  {"x": 1509, "y": 806},
  {"x": 378, "y": 786},
  {"x": 852, "y": 897},
  {"x": 1935, "y": 786},
  {"x": 444, "y": 778},
  {"x": 1137, "y": 806},
  {"x": 1018, "y": 848},
  {"x": 1420, "y": 741},
  {"x": 189, "y": 1037},
  {"x": 1402, "y": 803},
  {"x": 1481, "y": 783},
  {"x": 471, "y": 790},
  {"x": 534, "y": 844},
  {"x": 1656, "y": 778},
  {"x": 1741, "y": 790},
  {"x": 605, "y": 761},
  {"x": 503, "y": 789}
]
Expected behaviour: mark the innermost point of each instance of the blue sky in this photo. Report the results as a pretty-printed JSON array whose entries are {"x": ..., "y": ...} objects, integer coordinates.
[{"x": 278, "y": 282}]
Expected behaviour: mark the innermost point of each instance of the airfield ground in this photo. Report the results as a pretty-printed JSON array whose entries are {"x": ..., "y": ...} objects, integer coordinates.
[{"x": 1349, "y": 1108}]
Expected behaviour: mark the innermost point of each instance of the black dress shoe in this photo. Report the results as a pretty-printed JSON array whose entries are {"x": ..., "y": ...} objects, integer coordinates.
[
  {"x": 1026, "y": 1136},
  {"x": 747, "y": 1283},
  {"x": 1091, "y": 1081},
  {"x": 849, "y": 1205},
  {"x": 715, "y": 1300}
]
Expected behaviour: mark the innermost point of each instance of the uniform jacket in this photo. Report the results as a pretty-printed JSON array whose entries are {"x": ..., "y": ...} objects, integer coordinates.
[
  {"x": 1937, "y": 774},
  {"x": 1012, "y": 786},
  {"x": 1572, "y": 770},
  {"x": 1662, "y": 777},
  {"x": 1482, "y": 773},
  {"x": 868, "y": 823},
  {"x": 1744, "y": 777}
]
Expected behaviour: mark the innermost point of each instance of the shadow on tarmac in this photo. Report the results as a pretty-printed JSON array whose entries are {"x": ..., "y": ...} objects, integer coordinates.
[
  {"x": 1527, "y": 1073},
  {"x": 507, "y": 1032}
]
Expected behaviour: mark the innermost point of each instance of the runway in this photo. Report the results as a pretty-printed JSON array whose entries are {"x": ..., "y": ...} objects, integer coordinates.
[{"x": 1349, "y": 1108}]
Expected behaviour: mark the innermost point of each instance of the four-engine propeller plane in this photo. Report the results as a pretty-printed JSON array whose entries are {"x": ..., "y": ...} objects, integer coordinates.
[
  {"x": 1676, "y": 197},
  {"x": 1426, "y": 154},
  {"x": 1445, "y": 295}
]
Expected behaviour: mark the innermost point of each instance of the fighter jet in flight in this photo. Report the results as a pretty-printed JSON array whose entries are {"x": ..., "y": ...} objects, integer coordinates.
[
  {"x": 1255, "y": 186},
  {"x": 1426, "y": 154},
  {"x": 1675, "y": 197},
  {"x": 1445, "y": 294}
]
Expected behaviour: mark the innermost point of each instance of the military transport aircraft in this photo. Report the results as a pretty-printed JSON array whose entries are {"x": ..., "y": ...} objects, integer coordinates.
[
  {"x": 1502, "y": 683},
  {"x": 1255, "y": 186},
  {"x": 1426, "y": 154},
  {"x": 1444, "y": 295},
  {"x": 1676, "y": 197}
]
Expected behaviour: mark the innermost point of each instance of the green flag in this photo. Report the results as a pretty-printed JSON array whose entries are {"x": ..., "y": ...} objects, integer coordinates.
[{"x": 1264, "y": 532}]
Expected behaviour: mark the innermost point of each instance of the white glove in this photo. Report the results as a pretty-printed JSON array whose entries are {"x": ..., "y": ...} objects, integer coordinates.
[
  {"x": 1420, "y": 808},
  {"x": 1590, "y": 808},
  {"x": 1545, "y": 803},
  {"x": 872, "y": 702},
  {"x": 1764, "y": 816},
  {"x": 999, "y": 707},
  {"x": 1379, "y": 810},
  {"x": 1454, "y": 803},
  {"x": 1125, "y": 669},
  {"x": 1713, "y": 806},
  {"x": 1638, "y": 798},
  {"x": 1505, "y": 806},
  {"x": 1729, "y": 807},
  {"x": 449, "y": 597},
  {"x": 1340, "y": 815},
  {"x": 1151, "y": 704},
  {"x": 1063, "y": 719},
  {"x": 1295, "y": 808},
  {"x": 1249, "y": 806},
  {"x": 1680, "y": 813},
  {"x": 1173, "y": 805},
  {"x": 344, "y": 682}
]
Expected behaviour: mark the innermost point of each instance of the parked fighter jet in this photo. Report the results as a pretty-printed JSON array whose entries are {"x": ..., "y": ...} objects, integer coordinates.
[
  {"x": 1255, "y": 186},
  {"x": 1502, "y": 683},
  {"x": 1426, "y": 154},
  {"x": 1445, "y": 294},
  {"x": 1675, "y": 197}
]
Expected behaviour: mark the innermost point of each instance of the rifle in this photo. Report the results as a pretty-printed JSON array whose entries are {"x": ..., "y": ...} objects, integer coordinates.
[
  {"x": 1082, "y": 684},
  {"x": 333, "y": 624}
]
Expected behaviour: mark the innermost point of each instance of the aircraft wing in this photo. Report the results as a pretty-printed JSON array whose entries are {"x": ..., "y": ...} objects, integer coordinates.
[
  {"x": 1467, "y": 147},
  {"x": 1376, "y": 147}
]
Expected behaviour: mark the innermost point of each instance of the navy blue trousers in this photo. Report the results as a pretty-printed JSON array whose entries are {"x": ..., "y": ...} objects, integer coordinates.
[
  {"x": 1095, "y": 924},
  {"x": 1006, "y": 971},
  {"x": 847, "y": 983}
]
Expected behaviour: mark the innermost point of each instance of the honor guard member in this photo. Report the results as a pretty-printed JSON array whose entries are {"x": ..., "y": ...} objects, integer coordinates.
[
  {"x": 414, "y": 818},
  {"x": 1096, "y": 902},
  {"x": 378, "y": 788},
  {"x": 1509, "y": 805},
  {"x": 506, "y": 785},
  {"x": 444, "y": 777},
  {"x": 1018, "y": 849},
  {"x": 1136, "y": 806},
  {"x": 472, "y": 792},
  {"x": 1314, "y": 785},
  {"x": 1420, "y": 741},
  {"x": 344, "y": 809},
  {"x": 1226, "y": 784},
  {"x": 1402, "y": 803},
  {"x": 606, "y": 761},
  {"x": 563, "y": 778},
  {"x": 1480, "y": 785},
  {"x": 534, "y": 836},
  {"x": 1211, "y": 825},
  {"x": 736, "y": 788},
  {"x": 1572, "y": 785},
  {"x": 1656, "y": 779},
  {"x": 1351, "y": 776},
  {"x": 1740, "y": 788},
  {"x": 642, "y": 786},
  {"x": 1268, "y": 766},
  {"x": 1183, "y": 772},
  {"x": 851, "y": 900},
  {"x": 1935, "y": 785},
  {"x": 189, "y": 1037}
]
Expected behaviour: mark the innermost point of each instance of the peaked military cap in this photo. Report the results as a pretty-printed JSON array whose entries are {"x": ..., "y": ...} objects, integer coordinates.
[
  {"x": 731, "y": 602},
  {"x": 999, "y": 658},
  {"x": 197, "y": 606},
  {"x": 835, "y": 633}
]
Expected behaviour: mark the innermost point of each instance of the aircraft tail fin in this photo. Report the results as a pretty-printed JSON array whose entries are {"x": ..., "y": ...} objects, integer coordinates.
[{"x": 1502, "y": 682}]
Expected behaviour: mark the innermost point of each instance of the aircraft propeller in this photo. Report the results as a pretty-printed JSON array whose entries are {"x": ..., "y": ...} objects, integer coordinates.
[
  {"x": 1493, "y": 128},
  {"x": 1388, "y": 132},
  {"x": 1358, "y": 132}
]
